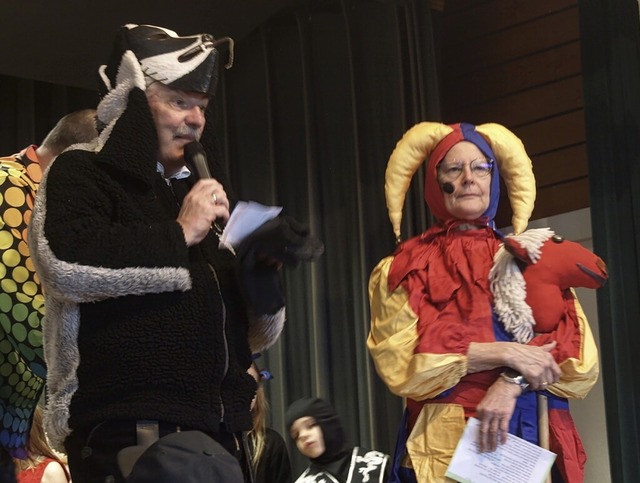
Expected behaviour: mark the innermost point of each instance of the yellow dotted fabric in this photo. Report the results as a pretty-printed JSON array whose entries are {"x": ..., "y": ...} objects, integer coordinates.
[{"x": 22, "y": 368}]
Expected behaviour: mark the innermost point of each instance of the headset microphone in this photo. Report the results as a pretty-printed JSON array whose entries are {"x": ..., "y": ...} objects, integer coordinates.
[{"x": 448, "y": 188}]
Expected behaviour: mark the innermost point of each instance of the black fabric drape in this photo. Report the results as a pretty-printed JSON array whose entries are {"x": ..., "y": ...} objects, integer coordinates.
[
  {"x": 314, "y": 105},
  {"x": 610, "y": 35}
]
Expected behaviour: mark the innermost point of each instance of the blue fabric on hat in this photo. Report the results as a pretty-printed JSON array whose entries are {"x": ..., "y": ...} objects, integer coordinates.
[{"x": 470, "y": 134}]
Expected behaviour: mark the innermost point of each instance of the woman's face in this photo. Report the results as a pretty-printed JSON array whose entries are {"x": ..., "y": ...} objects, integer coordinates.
[
  {"x": 307, "y": 434},
  {"x": 471, "y": 192}
]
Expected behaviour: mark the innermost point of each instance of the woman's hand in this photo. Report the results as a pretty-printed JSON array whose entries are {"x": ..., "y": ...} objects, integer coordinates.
[
  {"x": 494, "y": 413},
  {"x": 536, "y": 364}
]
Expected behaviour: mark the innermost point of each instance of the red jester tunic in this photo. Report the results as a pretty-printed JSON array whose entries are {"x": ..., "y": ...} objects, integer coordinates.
[{"x": 429, "y": 301}]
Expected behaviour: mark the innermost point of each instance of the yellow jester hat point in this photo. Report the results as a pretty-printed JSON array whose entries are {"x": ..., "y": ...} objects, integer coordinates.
[{"x": 419, "y": 142}]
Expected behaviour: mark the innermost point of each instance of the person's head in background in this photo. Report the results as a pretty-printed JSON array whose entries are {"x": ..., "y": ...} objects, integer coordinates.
[
  {"x": 266, "y": 453},
  {"x": 259, "y": 405},
  {"x": 74, "y": 128},
  {"x": 259, "y": 413},
  {"x": 316, "y": 430},
  {"x": 38, "y": 446}
]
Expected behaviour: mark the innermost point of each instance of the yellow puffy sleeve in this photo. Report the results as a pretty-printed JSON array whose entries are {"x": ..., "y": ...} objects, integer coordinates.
[
  {"x": 392, "y": 341},
  {"x": 581, "y": 373}
]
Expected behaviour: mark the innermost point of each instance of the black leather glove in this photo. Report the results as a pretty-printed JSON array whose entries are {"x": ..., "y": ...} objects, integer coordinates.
[{"x": 281, "y": 240}]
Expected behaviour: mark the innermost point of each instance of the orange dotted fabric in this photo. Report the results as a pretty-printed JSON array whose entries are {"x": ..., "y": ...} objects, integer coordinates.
[{"x": 22, "y": 367}]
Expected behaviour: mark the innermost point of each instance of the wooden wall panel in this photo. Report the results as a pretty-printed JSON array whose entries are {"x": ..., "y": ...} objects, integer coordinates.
[
  {"x": 506, "y": 45},
  {"x": 520, "y": 74},
  {"x": 517, "y": 63},
  {"x": 537, "y": 103},
  {"x": 488, "y": 16},
  {"x": 553, "y": 133},
  {"x": 554, "y": 200},
  {"x": 562, "y": 164}
]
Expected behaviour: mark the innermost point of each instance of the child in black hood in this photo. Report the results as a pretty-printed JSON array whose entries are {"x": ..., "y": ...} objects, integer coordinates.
[{"x": 317, "y": 432}]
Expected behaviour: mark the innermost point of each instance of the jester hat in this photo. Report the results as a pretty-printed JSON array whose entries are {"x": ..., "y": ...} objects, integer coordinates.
[
  {"x": 431, "y": 141},
  {"x": 143, "y": 54}
]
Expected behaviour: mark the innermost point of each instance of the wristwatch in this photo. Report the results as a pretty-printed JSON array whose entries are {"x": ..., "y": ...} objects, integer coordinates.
[{"x": 514, "y": 377}]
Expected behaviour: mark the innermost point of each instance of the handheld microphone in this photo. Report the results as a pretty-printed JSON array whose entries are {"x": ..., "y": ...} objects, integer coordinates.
[
  {"x": 195, "y": 157},
  {"x": 448, "y": 188}
]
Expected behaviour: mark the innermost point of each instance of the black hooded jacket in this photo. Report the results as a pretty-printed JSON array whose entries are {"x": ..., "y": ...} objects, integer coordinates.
[{"x": 138, "y": 325}]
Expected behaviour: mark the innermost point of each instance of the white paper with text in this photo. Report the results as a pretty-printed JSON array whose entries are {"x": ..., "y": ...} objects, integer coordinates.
[
  {"x": 245, "y": 219},
  {"x": 516, "y": 460}
]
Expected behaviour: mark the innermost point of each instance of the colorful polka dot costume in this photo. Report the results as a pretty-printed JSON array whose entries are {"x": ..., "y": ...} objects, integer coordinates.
[{"x": 22, "y": 367}]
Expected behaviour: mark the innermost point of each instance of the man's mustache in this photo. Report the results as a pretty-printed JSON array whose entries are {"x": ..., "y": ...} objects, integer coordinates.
[{"x": 188, "y": 132}]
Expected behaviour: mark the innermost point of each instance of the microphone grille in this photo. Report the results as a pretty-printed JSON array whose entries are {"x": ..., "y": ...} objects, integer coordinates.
[{"x": 193, "y": 149}]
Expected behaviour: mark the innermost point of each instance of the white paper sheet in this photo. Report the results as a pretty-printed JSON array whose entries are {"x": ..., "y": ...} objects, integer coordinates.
[
  {"x": 245, "y": 219},
  {"x": 515, "y": 461}
]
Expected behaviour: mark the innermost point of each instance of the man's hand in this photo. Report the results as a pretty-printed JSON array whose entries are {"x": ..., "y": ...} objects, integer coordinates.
[{"x": 205, "y": 203}]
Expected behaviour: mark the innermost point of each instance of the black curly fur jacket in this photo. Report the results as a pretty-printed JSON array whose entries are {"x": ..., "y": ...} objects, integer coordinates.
[{"x": 137, "y": 325}]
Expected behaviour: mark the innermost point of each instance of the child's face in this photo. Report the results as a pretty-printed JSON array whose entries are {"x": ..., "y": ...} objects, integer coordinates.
[{"x": 307, "y": 434}]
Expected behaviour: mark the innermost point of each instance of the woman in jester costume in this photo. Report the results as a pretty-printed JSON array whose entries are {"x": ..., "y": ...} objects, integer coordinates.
[{"x": 466, "y": 322}]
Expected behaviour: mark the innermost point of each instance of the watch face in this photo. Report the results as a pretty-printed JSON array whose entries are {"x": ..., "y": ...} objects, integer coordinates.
[
  {"x": 514, "y": 377},
  {"x": 512, "y": 373}
]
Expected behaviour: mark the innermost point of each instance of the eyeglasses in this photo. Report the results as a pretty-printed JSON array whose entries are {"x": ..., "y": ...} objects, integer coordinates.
[{"x": 480, "y": 168}]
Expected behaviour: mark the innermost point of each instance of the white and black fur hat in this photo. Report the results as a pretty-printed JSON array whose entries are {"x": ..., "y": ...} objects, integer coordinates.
[{"x": 143, "y": 54}]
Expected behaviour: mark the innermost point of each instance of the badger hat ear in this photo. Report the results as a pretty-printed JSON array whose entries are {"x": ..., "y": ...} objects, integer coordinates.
[
  {"x": 415, "y": 146},
  {"x": 516, "y": 170},
  {"x": 189, "y": 63}
]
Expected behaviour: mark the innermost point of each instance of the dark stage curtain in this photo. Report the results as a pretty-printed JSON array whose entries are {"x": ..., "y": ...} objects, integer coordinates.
[
  {"x": 611, "y": 68},
  {"x": 308, "y": 117},
  {"x": 313, "y": 107},
  {"x": 29, "y": 109}
]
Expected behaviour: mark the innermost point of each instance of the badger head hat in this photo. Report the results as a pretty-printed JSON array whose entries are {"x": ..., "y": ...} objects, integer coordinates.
[
  {"x": 431, "y": 141},
  {"x": 143, "y": 54}
]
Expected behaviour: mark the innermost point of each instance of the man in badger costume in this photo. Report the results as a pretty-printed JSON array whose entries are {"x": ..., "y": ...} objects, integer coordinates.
[{"x": 150, "y": 326}]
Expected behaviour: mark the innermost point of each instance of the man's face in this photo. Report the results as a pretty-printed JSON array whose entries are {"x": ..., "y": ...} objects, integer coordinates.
[{"x": 179, "y": 119}]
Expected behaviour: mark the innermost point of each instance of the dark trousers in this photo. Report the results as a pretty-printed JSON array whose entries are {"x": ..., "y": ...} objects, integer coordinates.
[{"x": 93, "y": 452}]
